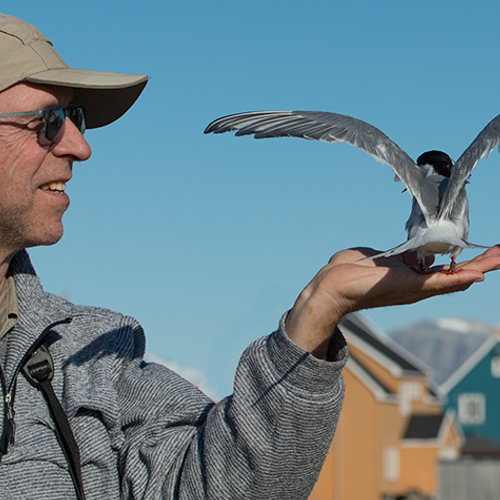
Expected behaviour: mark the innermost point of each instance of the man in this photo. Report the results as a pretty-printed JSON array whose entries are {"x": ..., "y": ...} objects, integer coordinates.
[{"x": 138, "y": 430}]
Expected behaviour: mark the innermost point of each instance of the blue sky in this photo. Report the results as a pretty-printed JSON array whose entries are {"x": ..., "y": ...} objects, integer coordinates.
[{"x": 207, "y": 240}]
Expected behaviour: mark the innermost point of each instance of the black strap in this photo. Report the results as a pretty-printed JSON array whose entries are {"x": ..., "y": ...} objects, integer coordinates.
[{"x": 39, "y": 370}]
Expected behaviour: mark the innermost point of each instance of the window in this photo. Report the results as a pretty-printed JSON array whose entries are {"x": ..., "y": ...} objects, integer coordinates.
[
  {"x": 495, "y": 366},
  {"x": 409, "y": 392},
  {"x": 391, "y": 464},
  {"x": 472, "y": 408}
]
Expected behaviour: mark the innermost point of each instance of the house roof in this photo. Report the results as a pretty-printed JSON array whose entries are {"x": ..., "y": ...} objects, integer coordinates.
[
  {"x": 424, "y": 426},
  {"x": 486, "y": 347},
  {"x": 379, "y": 390},
  {"x": 386, "y": 348},
  {"x": 431, "y": 429},
  {"x": 368, "y": 373},
  {"x": 481, "y": 446}
]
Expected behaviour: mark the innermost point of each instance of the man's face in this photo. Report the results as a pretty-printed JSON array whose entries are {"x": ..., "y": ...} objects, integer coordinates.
[{"x": 34, "y": 173}]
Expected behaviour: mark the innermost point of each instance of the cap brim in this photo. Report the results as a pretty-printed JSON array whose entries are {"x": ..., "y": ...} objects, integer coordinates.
[{"x": 105, "y": 96}]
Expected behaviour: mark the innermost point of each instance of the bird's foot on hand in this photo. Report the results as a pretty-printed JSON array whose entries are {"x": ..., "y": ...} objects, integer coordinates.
[
  {"x": 421, "y": 268},
  {"x": 453, "y": 267},
  {"x": 451, "y": 271}
]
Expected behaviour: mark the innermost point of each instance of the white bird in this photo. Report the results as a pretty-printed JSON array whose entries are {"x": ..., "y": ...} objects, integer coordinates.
[{"x": 439, "y": 219}]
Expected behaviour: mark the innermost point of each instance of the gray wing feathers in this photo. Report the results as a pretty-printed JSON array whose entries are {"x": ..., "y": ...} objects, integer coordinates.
[
  {"x": 319, "y": 126},
  {"x": 482, "y": 146},
  {"x": 333, "y": 127}
]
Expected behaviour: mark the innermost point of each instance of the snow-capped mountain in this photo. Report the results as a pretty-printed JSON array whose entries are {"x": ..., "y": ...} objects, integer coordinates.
[{"x": 444, "y": 343}]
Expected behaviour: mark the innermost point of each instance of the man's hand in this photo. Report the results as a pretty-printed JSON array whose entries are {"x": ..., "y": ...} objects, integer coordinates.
[{"x": 346, "y": 285}]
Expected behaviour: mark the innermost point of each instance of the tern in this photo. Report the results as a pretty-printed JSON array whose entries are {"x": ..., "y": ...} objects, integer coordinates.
[{"x": 439, "y": 218}]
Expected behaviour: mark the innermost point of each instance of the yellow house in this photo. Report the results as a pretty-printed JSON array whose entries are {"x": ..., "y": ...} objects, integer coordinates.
[{"x": 392, "y": 430}]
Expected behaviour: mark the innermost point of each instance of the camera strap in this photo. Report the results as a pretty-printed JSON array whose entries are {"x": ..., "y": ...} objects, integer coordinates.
[{"x": 39, "y": 371}]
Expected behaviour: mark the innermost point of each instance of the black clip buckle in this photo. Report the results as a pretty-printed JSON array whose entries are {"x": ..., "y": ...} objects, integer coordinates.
[{"x": 40, "y": 368}]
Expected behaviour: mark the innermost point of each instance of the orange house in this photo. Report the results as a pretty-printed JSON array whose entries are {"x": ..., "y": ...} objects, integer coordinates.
[{"x": 392, "y": 430}]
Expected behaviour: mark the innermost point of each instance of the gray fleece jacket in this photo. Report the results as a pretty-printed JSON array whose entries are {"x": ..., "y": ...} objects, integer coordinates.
[{"x": 146, "y": 433}]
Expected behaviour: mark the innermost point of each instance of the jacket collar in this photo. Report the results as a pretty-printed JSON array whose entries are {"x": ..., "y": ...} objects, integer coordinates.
[{"x": 37, "y": 311}]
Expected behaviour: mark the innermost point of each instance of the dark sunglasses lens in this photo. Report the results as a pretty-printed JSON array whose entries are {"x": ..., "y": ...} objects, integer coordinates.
[
  {"x": 77, "y": 116},
  {"x": 54, "y": 120}
]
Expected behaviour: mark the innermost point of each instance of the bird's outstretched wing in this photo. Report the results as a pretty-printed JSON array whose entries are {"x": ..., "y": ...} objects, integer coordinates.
[
  {"x": 333, "y": 127},
  {"x": 481, "y": 146}
]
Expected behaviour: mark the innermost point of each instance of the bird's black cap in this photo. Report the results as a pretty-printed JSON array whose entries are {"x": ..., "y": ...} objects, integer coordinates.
[{"x": 440, "y": 161}]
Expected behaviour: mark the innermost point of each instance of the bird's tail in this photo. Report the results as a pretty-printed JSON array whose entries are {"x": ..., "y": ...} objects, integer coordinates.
[
  {"x": 467, "y": 244},
  {"x": 410, "y": 245},
  {"x": 407, "y": 245}
]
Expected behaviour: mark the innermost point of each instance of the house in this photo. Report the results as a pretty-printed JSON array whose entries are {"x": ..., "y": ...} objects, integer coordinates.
[
  {"x": 465, "y": 359},
  {"x": 472, "y": 392},
  {"x": 393, "y": 429}
]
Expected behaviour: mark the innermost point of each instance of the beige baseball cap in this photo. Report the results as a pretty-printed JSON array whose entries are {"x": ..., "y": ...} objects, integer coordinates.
[{"x": 27, "y": 56}]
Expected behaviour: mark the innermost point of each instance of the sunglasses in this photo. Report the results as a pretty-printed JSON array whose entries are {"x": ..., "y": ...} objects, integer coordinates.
[{"x": 54, "y": 119}]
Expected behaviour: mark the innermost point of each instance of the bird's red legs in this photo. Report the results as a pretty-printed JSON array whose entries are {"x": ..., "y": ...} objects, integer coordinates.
[{"x": 452, "y": 269}]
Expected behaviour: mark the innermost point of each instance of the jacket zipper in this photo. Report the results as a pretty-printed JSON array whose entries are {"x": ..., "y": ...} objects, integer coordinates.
[
  {"x": 8, "y": 432},
  {"x": 9, "y": 424}
]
